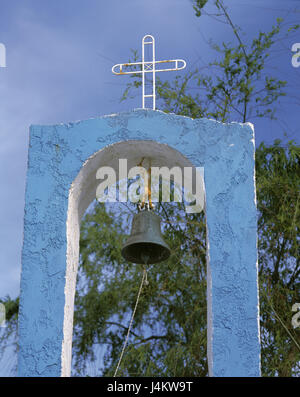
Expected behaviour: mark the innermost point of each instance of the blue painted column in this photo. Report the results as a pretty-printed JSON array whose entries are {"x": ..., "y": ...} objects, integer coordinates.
[
  {"x": 233, "y": 312},
  {"x": 57, "y": 155}
]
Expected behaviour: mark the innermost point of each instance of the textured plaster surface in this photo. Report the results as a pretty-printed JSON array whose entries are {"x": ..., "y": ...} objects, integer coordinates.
[{"x": 61, "y": 183}]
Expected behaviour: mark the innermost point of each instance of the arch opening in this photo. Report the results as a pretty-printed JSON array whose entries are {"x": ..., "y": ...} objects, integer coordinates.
[{"x": 81, "y": 195}]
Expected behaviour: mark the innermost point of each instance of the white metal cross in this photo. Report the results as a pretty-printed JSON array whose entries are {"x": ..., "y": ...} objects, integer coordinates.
[{"x": 148, "y": 67}]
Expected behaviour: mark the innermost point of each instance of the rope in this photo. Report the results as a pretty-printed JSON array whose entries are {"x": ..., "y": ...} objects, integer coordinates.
[{"x": 131, "y": 321}]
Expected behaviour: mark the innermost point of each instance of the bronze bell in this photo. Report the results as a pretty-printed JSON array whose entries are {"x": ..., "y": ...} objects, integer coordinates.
[{"x": 145, "y": 243}]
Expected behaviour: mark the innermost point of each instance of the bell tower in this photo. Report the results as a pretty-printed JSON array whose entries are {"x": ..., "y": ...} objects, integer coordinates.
[{"x": 61, "y": 183}]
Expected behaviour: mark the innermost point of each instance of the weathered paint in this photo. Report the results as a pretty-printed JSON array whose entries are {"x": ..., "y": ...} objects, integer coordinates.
[{"x": 62, "y": 162}]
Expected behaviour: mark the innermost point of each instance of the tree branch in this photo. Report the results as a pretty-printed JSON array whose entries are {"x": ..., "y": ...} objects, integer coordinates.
[
  {"x": 219, "y": 2},
  {"x": 122, "y": 326},
  {"x": 150, "y": 338}
]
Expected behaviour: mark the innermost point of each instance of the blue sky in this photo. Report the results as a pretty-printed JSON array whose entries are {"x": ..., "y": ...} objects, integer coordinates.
[{"x": 59, "y": 60}]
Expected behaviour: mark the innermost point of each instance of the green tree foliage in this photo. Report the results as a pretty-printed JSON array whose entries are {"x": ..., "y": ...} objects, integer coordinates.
[
  {"x": 168, "y": 337},
  {"x": 8, "y": 335},
  {"x": 236, "y": 88},
  {"x": 169, "y": 333},
  {"x": 278, "y": 202}
]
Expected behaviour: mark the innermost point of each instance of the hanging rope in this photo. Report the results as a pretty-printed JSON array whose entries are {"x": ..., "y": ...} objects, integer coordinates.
[{"x": 144, "y": 278}]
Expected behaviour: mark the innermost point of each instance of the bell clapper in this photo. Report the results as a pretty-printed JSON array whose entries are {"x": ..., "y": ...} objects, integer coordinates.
[
  {"x": 145, "y": 258},
  {"x": 146, "y": 282}
]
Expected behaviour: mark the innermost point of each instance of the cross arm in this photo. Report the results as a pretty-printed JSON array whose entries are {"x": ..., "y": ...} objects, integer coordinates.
[{"x": 118, "y": 69}]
